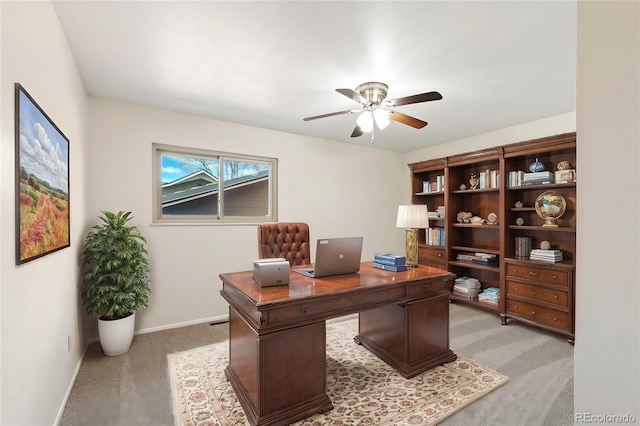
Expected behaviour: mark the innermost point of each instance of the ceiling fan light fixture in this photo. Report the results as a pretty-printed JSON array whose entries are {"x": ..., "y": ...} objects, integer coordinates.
[
  {"x": 365, "y": 121},
  {"x": 382, "y": 118}
]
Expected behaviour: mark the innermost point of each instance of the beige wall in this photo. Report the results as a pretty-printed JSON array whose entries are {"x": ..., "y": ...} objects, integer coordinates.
[
  {"x": 607, "y": 352},
  {"x": 39, "y": 301},
  {"x": 338, "y": 189}
]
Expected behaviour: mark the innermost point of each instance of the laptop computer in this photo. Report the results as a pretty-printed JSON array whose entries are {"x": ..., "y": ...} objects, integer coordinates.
[{"x": 335, "y": 256}]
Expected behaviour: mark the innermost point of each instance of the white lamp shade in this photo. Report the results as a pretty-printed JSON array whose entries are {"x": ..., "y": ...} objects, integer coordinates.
[
  {"x": 382, "y": 118},
  {"x": 365, "y": 121},
  {"x": 413, "y": 216}
]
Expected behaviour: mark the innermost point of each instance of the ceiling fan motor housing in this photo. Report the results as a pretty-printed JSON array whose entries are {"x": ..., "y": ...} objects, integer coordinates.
[{"x": 373, "y": 92}]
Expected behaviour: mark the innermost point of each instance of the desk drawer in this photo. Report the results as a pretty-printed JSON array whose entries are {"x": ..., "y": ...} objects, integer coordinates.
[
  {"x": 538, "y": 273},
  {"x": 537, "y": 313},
  {"x": 537, "y": 293},
  {"x": 327, "y": 307},
  {"x": 430, "y": 255},
  {"x": 427, "y": 288}
]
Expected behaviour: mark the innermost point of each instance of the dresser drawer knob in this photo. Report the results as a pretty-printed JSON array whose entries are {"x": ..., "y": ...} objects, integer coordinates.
[
  {"x": 515, "y": 306},
  {"x": 533, "y": 274},
  {"x": 439, "y": 254},
  {"x": 425, "y": 287},
  {"x": 534, "y": 292},
  {"x": 555, "y": 276},
  {"x": 555, "y": 318},
  {"x": 515, "y": 271},
  {"x": 304, "y": 309},
  {"x": 555, "y": 296},
  {"x": 533, "y": 312}
]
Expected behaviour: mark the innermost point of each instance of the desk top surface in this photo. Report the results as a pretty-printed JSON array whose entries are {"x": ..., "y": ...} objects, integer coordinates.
[{"x": 301, "y": 286}]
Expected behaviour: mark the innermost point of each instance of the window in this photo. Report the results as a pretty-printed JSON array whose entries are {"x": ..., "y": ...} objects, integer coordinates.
[{"x": 200, "y": 186}]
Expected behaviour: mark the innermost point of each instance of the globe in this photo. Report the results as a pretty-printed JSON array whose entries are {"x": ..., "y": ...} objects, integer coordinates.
[{"x": 550, "y": 206}]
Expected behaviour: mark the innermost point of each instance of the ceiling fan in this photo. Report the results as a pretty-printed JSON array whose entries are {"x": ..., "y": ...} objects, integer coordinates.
[{"x": 374, "y": 108}]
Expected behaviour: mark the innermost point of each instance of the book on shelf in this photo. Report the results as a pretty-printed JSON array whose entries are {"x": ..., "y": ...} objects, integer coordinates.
[
  {"x": 523, "y": 247},
  {"x": 479, "y": 258},
  {"x": 435, "y": 236},
  {"x": 538, "y": 176},
  {"x": 433, "y": 185},
  {"x": 390, "y": 259},
  {"x": 546, "y": 255},
  {"x": 488, "y": 179},
  {"x": 393, "y": 268}
]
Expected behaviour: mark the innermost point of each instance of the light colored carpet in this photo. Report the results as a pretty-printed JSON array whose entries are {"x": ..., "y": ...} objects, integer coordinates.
[{"x": 363, "y": 389}]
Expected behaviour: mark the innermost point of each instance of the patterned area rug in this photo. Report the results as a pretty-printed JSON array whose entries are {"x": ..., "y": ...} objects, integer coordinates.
[{"x": 362, "y": 388}]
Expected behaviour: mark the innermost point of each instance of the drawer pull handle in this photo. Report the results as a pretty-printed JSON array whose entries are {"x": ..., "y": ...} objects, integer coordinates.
[
  {"x": 304, "y": 309},
  {"x": 515, "y": 271},
  {"x": 425, "y": 287},
  {"x": 533, "y": 274},
  {"x": 534, "y": 293},
  {"x": 533, "y": 312},
  {"x": 515, "y": 306},
  {"x": 555, "y": 276},
  {"x": 555, "y": 296},
  {"x": 515, "y": 288},
  {"x": 555, "y": 318}
]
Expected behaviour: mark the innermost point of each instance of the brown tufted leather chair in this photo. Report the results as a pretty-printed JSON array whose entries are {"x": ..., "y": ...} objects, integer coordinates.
[{"x": 289, "y": 240}]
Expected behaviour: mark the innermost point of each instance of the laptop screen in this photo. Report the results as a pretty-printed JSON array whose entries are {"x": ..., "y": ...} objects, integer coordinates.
[{"x": 336, "y": 256}]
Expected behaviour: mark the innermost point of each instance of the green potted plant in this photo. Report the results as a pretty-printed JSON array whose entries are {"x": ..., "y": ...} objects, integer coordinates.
[{"x": 115, "y": 279}]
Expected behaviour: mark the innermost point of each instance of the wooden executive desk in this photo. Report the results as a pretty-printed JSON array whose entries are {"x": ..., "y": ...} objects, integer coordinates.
[{"x": 277, "y": 340}]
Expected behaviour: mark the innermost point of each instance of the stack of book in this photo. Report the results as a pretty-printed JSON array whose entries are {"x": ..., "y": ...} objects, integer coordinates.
[
  {"x": 467, "y": 286},
  {"x": 390, "y": 262},
  {"x": 552, "y": 256},
  {"x": 523, "y": 247},
  {"x": 479, "y": 258},
  {"x": 440, "y": 210},
  {"x": 538, "y": 178},
  {"x": 490, "y": 296}
]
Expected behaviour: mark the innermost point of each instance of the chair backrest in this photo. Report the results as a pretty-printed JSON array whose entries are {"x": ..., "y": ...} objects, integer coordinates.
[{"x": 289, "y": 240}]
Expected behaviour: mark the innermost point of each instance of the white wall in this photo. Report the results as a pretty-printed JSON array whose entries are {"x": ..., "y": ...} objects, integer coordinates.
[
  {"x": 607, "y": 352},
  {"x": 40, "y": 298},
  {"x": 339, "y": 189}
]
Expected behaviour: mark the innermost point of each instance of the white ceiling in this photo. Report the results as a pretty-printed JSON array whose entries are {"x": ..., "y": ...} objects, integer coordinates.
[{"x": 271, "y": 63}]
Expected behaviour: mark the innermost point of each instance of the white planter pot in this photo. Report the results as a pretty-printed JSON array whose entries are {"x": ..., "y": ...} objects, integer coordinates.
[{"x": 116, "y": 335}]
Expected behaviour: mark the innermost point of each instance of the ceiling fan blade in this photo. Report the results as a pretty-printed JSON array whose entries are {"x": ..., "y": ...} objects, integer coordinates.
[
  {"x": 422, "y": 97},
  {"x": 331, "y": 114},
  {"x": 407, "y": 119},
  {"x": 356, "y": 132},
  {"x": 352, "y": 94}
]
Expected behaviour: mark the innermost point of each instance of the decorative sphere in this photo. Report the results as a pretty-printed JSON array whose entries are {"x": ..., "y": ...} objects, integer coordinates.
[
  {"x": 545, "y": 245},
  {"x": 519, "y": 221},
  {"x": 564, "y": 165},
  {"x": 536, "y": 166},
  {"x": 463, "y": 186},
  {"x": 550, "y": 206}
]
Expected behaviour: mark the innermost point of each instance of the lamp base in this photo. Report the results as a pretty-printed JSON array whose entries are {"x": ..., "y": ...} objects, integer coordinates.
[{"x": 411, "y": 247}]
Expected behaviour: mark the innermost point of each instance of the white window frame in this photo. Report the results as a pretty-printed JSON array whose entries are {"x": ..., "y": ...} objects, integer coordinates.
[{"x": 219, "y": 219}]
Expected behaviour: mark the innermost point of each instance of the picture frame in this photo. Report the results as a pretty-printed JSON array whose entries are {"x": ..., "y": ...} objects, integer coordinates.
[{"x": 42, "y": 181}]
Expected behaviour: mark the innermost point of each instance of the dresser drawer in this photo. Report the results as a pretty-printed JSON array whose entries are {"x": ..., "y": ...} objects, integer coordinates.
[
  {"x": 537, "y": 313},
  {"x": 538, "y": 273},
  {"x": 537, "y": 293},
  {"x": 430, "y": 254}
]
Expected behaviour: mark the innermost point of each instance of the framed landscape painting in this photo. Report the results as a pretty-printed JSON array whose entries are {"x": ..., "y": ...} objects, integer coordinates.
[{"x": 42, "y": 181}]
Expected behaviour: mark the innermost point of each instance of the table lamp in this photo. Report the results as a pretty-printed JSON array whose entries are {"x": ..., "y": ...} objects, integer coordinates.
[{"x": 412, "y": 217}]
